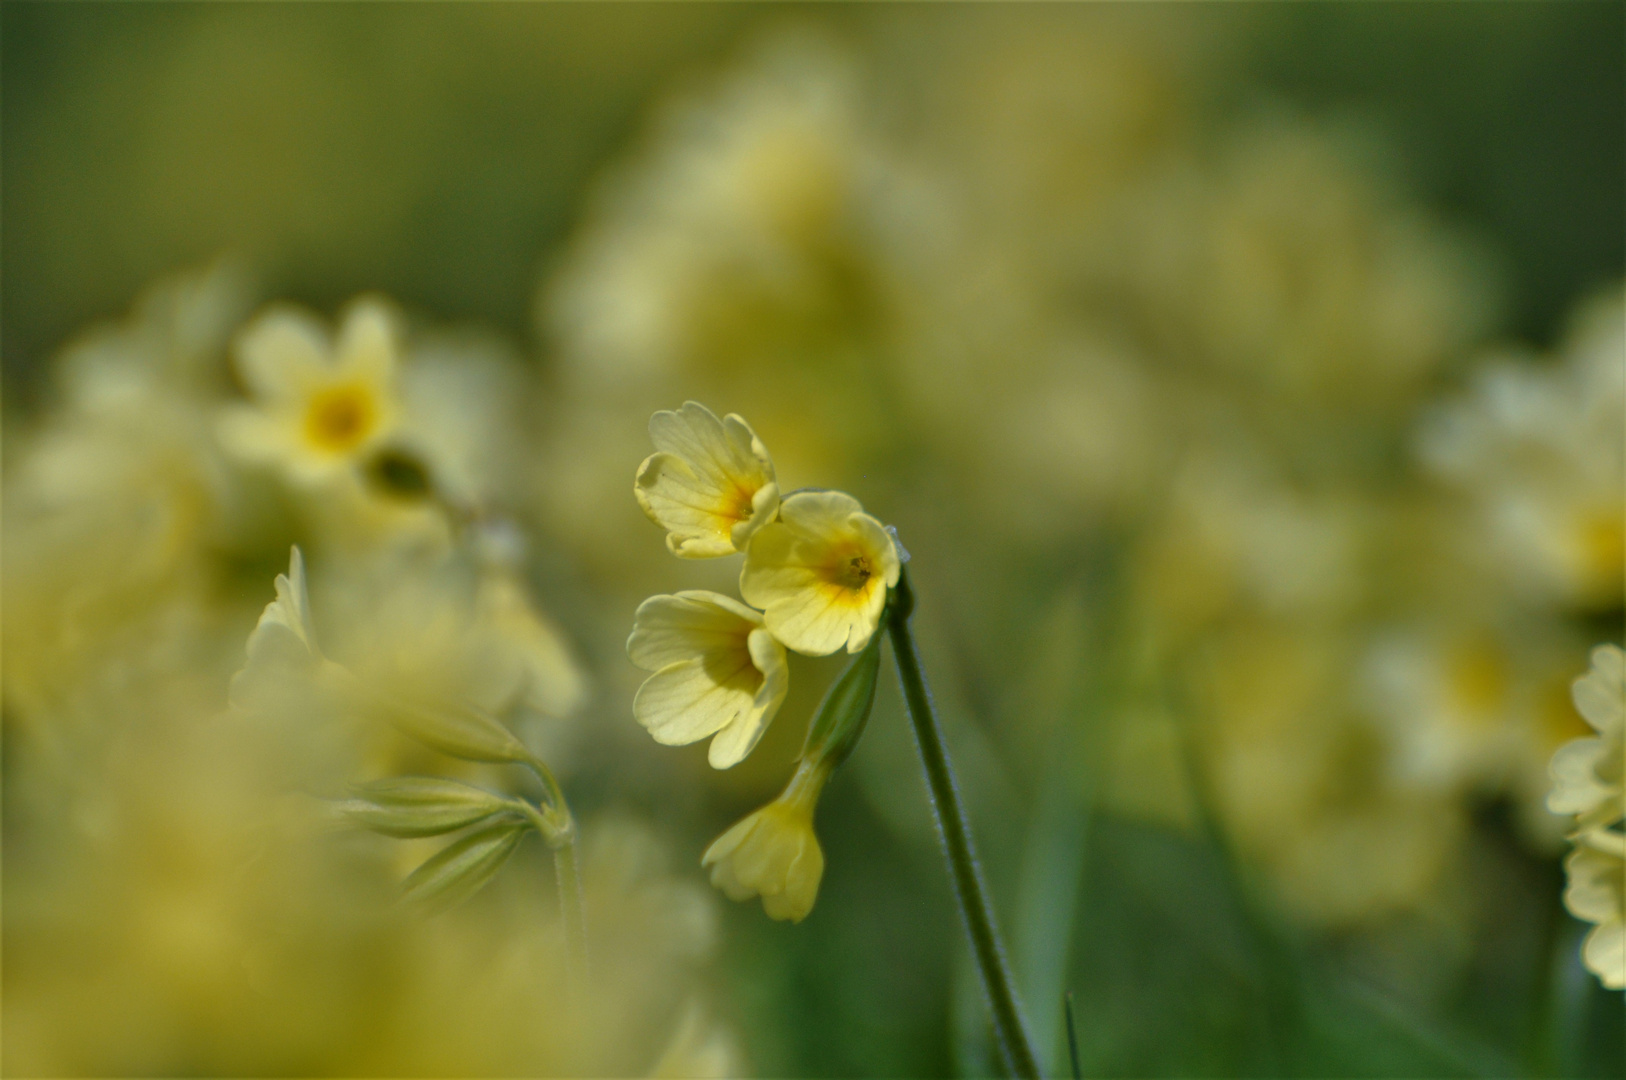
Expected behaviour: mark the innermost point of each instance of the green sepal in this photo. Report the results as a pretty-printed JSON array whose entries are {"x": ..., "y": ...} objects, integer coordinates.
[
  {"x": 410, "y": 806},
  {"x": 454, "y": 730},
  {"x": 461, "y": 869},
  {"x": 845, "y": 710}
]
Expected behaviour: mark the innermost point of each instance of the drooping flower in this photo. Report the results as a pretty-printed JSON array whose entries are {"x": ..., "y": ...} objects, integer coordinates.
[
  {"x": 773, "y": 853},
  {"x": 710, "y": 484},
  {"x": 717, "y": 671},
  {"x": 319, "y": 406},
  {"x": 820, "y": 573}
]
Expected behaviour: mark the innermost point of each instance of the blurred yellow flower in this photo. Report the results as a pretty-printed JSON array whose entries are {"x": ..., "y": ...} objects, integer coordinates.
[
  {"x": 1540, "y": 449},
  {"x": 710, "y": 483},
  {"x": 717, "y": 671},
  {"x": 1587, "y": 773},
  {"x": 1588, "y": 782},
  {"x": 773, "y": 853},
  {"x": 821, "y": 572},
  {"x": 1597, "y": 893},
  {"x": 319, "y": 406}
]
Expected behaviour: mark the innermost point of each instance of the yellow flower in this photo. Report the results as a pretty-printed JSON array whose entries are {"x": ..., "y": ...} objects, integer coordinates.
[
  {"x": 1587, "y": 773},
  {"x": 1597, "y": 893},
  {"x": 717, "y": 672},
  {"x": 773, "y": 853},
  {"x": 710, "y": 483},
  {"x": 820, "y": 573},
  {"x": 318, "y": 406}
]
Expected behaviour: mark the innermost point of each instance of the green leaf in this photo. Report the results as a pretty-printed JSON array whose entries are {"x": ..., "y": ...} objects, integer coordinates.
[
  {"x": 420, "y": 806},
  {"x": 462, "y": 869}
]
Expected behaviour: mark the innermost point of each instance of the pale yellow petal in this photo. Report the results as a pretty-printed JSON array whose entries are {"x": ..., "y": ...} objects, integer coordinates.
[
  {"x": 282, "y": 353},
  {"x": 1600, "y": 694},
  {"x": 734, "y": 742},
  {"x": 1605, "y": 953},
  {"x": 691, "y": 699},
  {"x": 1597, "y": 885},
  {"x": 367, "y": 344},
  {"x": 670, "y": 628},
  {"x": 694, "y": 512},
  {"x": 764, "y": 508},
  {"x": 720, "y": 453},
  {"x": 820, "y": 573},
  {"x": 819, "y": 514},
  {"x": 719, "y": 857},
  {"x": 249, "y": 434},
  {"x": 710, "y": 483},
  {"x": 1576, "y": 788},
  {"x": 801, "y": 885}
]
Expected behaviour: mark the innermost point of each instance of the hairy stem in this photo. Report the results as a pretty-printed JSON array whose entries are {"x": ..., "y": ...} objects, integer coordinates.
[{"x": 1010, "y": 1031}]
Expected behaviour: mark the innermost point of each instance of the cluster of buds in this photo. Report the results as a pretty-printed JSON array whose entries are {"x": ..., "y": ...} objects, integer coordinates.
[{"x": 816, "y": 579}]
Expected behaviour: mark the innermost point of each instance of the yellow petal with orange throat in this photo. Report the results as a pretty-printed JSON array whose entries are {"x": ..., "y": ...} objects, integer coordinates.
[
  {"x": 710, "y": 484},
  {"x": 820, "y": 574}
]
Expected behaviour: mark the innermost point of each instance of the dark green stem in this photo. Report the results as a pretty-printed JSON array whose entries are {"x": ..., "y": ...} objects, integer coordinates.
[{"x": 1010, "y": 1032}]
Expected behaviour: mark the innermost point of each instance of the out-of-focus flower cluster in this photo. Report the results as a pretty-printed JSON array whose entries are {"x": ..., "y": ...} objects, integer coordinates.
[
  {"x": 176, "y": 867},
  {"x": 1233, "y": 509}
]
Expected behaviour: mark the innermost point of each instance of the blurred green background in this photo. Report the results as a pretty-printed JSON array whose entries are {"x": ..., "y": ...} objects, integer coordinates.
[
  {"x": 454, "y": 157},
  {"x": 439, "y": 153}
]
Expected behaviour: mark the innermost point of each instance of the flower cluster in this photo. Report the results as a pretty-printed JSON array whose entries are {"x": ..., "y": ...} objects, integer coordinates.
[
  {"x": 815, "y": 581},
  {"x": 1588, "y": 779}
]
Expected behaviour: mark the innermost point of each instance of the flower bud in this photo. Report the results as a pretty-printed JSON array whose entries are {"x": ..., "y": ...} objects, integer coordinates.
[
  {"x": 410, "y": 806},
  {"x": 773, "y": 853}
]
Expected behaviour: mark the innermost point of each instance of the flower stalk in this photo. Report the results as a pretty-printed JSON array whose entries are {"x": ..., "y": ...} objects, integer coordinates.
[
  {"x": 558, "y": 828},
  {"x": 953, "y": 828}
]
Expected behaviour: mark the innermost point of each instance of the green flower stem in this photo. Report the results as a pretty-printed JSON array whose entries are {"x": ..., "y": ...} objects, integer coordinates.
[
  {"x": 558, "y": 828},
  {"x": 571, "y": 903},
  {"x": 1010, "y": 1031}
]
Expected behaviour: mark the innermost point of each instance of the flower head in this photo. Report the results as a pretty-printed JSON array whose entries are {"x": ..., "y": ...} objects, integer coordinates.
[
  {"x": 318, "y": 406},
  {"x": 710, "y": 484},
  {"x": 1587, "y": 773},
  {"x": 1597, "y": 893},
  {"x": 774, "y": 853},
  {"x": 1587, "y": 782},
  {"x": 820, "y": 573},
  {"x": 717, "y": 671}
]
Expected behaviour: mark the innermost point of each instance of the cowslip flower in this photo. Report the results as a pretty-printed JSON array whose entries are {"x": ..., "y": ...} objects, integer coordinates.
[
  {"x": 710, "y": 484},
  {"x": 1587, "y": 773},
  {"x": 821, "y": 573},
  {"x": 1597, "y": 893},
  {"x": 319, "y": 406},
  {"x": 1588, "y": 782},
  {"x": 717, "y": 672},
  {"x": 773, "y": 853}
]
